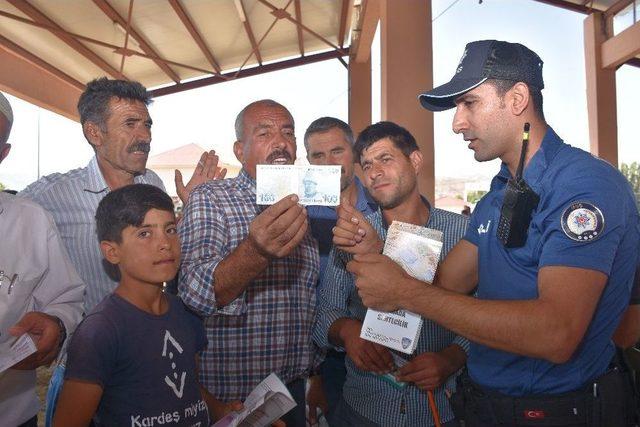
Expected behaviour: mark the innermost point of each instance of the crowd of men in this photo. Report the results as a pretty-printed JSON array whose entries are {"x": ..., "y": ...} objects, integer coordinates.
[{"x": 519, "y": 323}]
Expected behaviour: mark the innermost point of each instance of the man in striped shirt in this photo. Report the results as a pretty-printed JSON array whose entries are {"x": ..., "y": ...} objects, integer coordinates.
[
  {"x": 391, "y": 161},
  {"x": 116, "y": 122}
]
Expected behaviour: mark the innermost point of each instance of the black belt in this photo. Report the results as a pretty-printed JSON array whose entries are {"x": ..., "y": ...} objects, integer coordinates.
[
  {"x": 607, "y": 401},
  {"x": 495, "y": 408}
]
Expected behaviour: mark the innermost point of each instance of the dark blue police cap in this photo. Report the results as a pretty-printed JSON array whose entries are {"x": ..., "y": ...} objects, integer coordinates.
[{"x": 482, "y": 60}]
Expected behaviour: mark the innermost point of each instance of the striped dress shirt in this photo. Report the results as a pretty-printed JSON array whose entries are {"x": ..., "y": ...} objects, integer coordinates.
[
  {"x": 72, "y": 199},
  {"x": 367, "y": 393},
  {"x": 268, "y": 327}
]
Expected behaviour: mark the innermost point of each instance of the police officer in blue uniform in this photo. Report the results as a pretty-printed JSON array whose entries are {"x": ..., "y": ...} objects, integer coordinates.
[{"x": 550, "y": 251}]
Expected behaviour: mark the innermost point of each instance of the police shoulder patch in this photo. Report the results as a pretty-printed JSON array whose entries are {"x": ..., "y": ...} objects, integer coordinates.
[{"x": 582, "y": 222}]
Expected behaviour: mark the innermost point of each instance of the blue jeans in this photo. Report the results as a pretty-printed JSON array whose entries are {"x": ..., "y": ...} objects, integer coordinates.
[
  {"x": 334, "y": 374},
  {"x": 297, "y": 416},
  {"x": 55, "y": 385}
]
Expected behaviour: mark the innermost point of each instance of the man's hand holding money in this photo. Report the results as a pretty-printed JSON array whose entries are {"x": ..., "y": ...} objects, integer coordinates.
[
  {"x": 374, "y": 274},
  {"x": 279, "y": 228},
  {"x": 47, "y": 333},
  {"x": 353, "y": 233}
]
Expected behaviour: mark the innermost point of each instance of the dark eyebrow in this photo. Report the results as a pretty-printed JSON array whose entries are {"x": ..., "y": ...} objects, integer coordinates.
[
  {"x": 381, "y": 155},
  {"x": 466, "y": 97},
  {"x": 156, "y": 225},
  {"x": 137, "y": 119}
]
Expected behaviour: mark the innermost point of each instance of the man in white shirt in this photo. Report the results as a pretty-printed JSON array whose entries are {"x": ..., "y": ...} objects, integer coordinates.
[{"x": 40, "y": 293}]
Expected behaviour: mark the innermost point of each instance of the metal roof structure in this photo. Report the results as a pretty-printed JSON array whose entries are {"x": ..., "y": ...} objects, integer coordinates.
[
  {"x": 173, "y": 45},
  {"x": 50, "y": 49}
]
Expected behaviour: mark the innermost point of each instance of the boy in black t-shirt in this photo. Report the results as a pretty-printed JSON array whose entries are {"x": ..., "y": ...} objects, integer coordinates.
[{"x": 132, "y": 361}]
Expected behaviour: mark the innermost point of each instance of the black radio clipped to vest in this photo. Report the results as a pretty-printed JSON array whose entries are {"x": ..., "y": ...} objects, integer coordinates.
[{"x": 518, "y": 204}]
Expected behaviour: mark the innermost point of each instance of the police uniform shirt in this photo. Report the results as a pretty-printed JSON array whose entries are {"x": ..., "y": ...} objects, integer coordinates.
[{"x": 586, "y": 218}]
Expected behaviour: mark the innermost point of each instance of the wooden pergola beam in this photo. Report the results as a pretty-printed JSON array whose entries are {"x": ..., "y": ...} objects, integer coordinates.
[
  {"x": 607, "y": 16},
  {"x": 299, "y": 19},
  {"x": 112, "y": 14},
  {"x": 38, "y": 83},
  {"x": 619, "y": 49},
  {"x": 369, "y": 18},
  {"x": 184, "y": 17},
  {"x": 117, "y": 49},
  {"x": 39, "y": 17},
  {"x": 616, "y": 7},
  {"x": 25, "y": 55},
  {"x": 283, "y": 14},
  {"x": 406, "y": 68},
  {"x": 343, "y": 22},
  {"x": 276, "y": 66},
  {"x": 563, "y": 4},
  {"x": 601, "y": 92},
  {"x": 247, "y": 28}
]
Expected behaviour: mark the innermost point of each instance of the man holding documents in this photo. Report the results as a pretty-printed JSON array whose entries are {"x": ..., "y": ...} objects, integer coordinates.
[
  {"x": 552, "y": 249},
  {"x": 251, "y": 269},
  {"x": 329, "y": 141},
  {"x": 40, "y": 296},
  {"x": 376, "y": 392}
]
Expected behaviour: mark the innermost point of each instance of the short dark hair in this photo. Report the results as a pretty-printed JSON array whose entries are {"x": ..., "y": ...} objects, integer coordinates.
[
  {"x": 93, "y": 105},
  {"x": 324, "y": 124},
  {"x": 503, "y": 86},
  {"x": 401, "y": 138},
  {"x": 127, "y": 206}
]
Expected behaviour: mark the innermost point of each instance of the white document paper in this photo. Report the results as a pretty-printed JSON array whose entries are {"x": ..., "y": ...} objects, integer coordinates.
[
  {"x": 417, "y": 250},
  {"x": 314, "y": 185},
  {"x": 19, "y": 350},
  {"x": 266, "y": 403}
]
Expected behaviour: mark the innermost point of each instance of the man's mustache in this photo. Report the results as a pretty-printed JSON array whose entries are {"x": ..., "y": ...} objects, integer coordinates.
[
  {"x": 277, "y": 154},
  {"x": 145, "y": 147}
]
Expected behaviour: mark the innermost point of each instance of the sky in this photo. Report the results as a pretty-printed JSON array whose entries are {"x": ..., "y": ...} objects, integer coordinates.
[{"x": 205, "y": 116}]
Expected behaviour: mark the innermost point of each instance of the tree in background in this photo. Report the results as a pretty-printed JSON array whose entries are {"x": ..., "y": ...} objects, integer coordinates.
[
  {"x": 475, "y": 196},
  {"x": 2, "y": 187},
  {"x": 632, "y": 173}
]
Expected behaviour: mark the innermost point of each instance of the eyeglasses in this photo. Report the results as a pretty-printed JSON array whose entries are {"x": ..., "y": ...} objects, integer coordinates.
[{"x": 12, "y": 280}]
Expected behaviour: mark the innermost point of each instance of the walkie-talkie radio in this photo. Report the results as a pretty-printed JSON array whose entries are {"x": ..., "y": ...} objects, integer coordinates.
[{"x": 518, "y": 204}]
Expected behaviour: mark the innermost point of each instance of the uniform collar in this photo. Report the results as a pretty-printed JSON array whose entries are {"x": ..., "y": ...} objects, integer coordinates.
[{"x": 538, "y": 164}]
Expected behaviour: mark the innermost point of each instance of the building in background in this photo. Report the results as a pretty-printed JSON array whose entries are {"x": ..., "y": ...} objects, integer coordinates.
[{"x": 183, "y": 158}]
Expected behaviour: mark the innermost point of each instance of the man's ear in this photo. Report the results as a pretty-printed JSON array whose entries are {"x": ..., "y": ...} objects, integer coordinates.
[
  {"x": 110, "y": 251},
  {"x": 238, "y": 150},
  {"x": 416, "y": 160},
  {"x": 93, "y": 133},
  {"x": 519, "y": 98}
]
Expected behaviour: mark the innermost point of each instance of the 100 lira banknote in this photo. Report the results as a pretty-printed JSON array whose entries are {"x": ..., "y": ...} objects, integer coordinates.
[
  {"x": 314, "y": 185},
  {"x": 417, "y": 249}
]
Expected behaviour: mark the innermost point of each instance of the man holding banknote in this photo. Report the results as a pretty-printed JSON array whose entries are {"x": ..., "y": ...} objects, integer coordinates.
[
  {"x": 251, "y": 270},
  {"x": 391, "y": 161}
]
